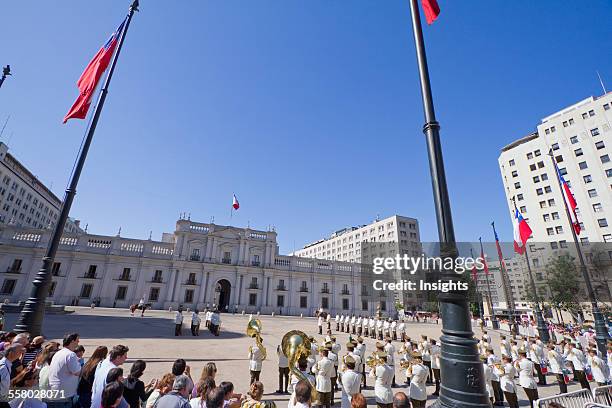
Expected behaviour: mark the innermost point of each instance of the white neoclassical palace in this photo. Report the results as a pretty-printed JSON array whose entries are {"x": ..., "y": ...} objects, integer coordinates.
[{"x": 197, "y": 265}]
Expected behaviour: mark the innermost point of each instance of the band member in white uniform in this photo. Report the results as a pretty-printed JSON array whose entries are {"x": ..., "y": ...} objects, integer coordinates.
[
  {"x": 350, "y": 382},
  {"x": 555, "y": 361},
  {"x": 600, "y": 370},
  {"x": 487, "y": 377},
  {"x": 382, "y": 387},
  {"x": 526, "y": 379},
  {"x": 508, "y": 373},
  {"x": 436, "y": 353},
  {"x": 324, "y": 370},
  {"x": 418, "y": 388}
]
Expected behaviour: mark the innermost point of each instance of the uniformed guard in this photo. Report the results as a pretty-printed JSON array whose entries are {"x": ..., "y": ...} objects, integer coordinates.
[
  {"x": 337, "y": 322},
  {"x": 436, "y": 353},
  {"x": 350, "y": 380},
  {"x": 336, "y": 351},
  {"x": 390, "y": 350},
  {"x": 425, "y": 350},
  {"x": 361, "y": 350},
  {"x": 526, "y": 379},
  {"x": 320, "y": 323},
  {"x": 255, "y": 362},
  {"x": 324, "y": 370},
  {"x": 418, "y": 388},
  {"x": 402, "y": 330},
  {"x": 384, "y": 376}
]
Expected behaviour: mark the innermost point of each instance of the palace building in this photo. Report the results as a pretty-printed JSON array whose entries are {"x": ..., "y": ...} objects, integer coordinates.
[{"x": 196, "y": 266}]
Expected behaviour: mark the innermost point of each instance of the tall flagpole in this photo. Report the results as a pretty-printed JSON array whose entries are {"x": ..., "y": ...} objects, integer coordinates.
[
  {"x": 6, "y": 71},
  {"x": 494, "y": 321},
  {"x": 32, "y": 314},
  {"x": 478, "y": 294},
  {"x": 462, "y": 373},
  {"x": 507, "y": 290},
  {"x": 541, "y": 324},
  {"x": 601, "y": 331}
]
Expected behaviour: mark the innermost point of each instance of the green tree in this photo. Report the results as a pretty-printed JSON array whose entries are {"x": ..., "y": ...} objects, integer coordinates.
[{"x": 564, "y": 284}]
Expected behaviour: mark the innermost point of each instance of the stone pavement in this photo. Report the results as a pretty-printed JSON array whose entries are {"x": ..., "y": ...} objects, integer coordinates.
[{"x": 151, "y": 338}]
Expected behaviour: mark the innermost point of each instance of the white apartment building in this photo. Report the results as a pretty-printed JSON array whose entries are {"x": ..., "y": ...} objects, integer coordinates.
[
  {"x": 197, "y": 266},
  {"x": 345, "y": 244},
  {"x": 580, "y": 137},
  {"x": 24, "y": 200}
]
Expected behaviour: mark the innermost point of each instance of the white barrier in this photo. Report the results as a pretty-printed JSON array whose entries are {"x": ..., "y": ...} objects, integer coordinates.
[
  {"x": 575, "y": 399},
  {"x": 595, "y": 405},
  {"x": 603, "y": 395}
]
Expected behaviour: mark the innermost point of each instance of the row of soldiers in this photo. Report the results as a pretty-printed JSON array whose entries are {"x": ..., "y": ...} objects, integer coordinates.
[
  {"x": 373, "y": 327},
  {"x": 530, "y": 360}
]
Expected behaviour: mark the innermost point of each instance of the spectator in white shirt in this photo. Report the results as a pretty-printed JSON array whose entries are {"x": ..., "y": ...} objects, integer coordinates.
[
  {"x": 64, "y": 372},
  {"x": 116, "y": 357},
  {"x": 11, "y": 354}
]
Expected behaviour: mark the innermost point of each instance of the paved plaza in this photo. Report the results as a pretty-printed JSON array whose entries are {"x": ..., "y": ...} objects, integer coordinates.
[{"x": 152, "y": 339}]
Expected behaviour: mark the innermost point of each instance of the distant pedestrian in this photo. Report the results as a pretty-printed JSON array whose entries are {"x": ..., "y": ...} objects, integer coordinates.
[{"x": 178, "y": 323}]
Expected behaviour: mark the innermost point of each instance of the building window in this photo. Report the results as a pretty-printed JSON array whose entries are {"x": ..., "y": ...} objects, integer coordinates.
[
  {"x": 547, "y": 189},
  {"x": 188, "y": 296},
  {"x": 584, "y": 240},
  {"x": 551, "y": 202},
  {"x": 546, "y": 217},
  {"x": 595, "y": 132},
  {"x": 125, "y": 275},
  {"x": 539, "y": 191},
  {"x": 157, "y": 277},
  {"x": 587, "y": 179},
  {"x": 555, "y": 146},
  {"x": 325, "y": 303},
  {"x": 574, "y": 139},
  {"x": 364, "y": 305},
  {"x": 583, "y": 165},
  {"x": 8, "y": 286},
  {"x": 519, "y": 197},
  {"x": 15, "y": 266},
  {"x": 303, "y": 302},
  {"x": 511, "y": 162},
  {"x": 532, "y": 167},
  {"x": 550, "y": 231},
  {"x": 555, "y": 216},
  {"x": 514, "y": 173},
  {"x": 554, "y": 245},
  {"x": 607, "y": 237},
  {"x": 540, "y": 164},
  {"x": 605, "y": 158},
  {"x": 195, "y": 254},
  {"x": 602, "y": 222},
  {"x": 252, "y": 299},
  {"x": 600, "y": 145},
  {"x": 255, "y": 260},
  {"x": 121, "y": 292},
  {"x": 86, "y": 291},
  {"x": 559, "y": 229},
  {"x": 563, "y": 244},
  {"x": 153, "y": 294},
  {"x": 52, "y": 288},
  {"x": 536, "y": 179},
  {"x": 523, "y": 209},
  {"x": 543, "y": 204},
  {"x": 559, "y": 158},
  {"x": 592, "y": 193},
  {"x": 227, "y": 257},
  {"x": 609, "y": 172},
  {"x": 345, "y": 304},
  {"x": 578, "y": 152},
  {"x": 383, "y": 305},
  {"x": 544, "y": 176},
  {"x": 191, "y": 279},
  {"x": 91, "y": 272},
  {"x": 597, "y": 207},
  {"x": 280, "y": 301},
  {"x": 529, "y": 155}
]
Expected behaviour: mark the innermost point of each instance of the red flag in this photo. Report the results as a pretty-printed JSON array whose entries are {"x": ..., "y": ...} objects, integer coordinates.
[
  {"x": 235, "y": 203},
  {"x": 475, "y": 274},
  {"x": 431, "y": 9},
  {"x": 484, "y": 261},
  {"x": 88, "y": 81}
]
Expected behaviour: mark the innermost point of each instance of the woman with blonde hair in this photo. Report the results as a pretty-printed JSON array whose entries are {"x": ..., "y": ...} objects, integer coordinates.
[
  {"x": 209, "y": 370},
  {"x": 254, "y": 395},
  {"x": 163, "y": 387}
]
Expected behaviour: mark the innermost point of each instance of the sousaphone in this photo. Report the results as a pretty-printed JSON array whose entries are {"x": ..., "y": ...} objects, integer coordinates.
[{"x": 296, "y": 345}]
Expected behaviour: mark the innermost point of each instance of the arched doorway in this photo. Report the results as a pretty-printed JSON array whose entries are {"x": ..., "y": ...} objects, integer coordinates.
[{"x": 222, "y": 294}]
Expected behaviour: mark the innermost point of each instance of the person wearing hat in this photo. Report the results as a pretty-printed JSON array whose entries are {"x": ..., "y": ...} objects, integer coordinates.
[
  {"x": 436, "y": 352},
  {"x": 324, "y": 370},
  {"x": 418, "y": 388},
  {"x": 283, "y": 370},
  {"x": 425, "y": 350},
  {"x": 335, "y": 349},
  {"x": 303, "y": 367},
  {"x": 379, "y": 329},
  {"x": 486, "y": 337},
  {"x": 350, "y": 381},
  {"x": 384, "y": 376},
  {"x": 350, "y": 349},
  {"x": 365, "y": 323},
  {"x": 337, "y": 322},
  {"x": 360, "y": 349},
  {"x": 312, "y": 358},
  {"x": 358, "y": 325},
  {"x": 255, "y": 362},
  {"x": 386, "y": 326},
  {"x": 526, "y": 380},
  {"x": 555, "y": 360},
  {"x": 401, "y": 327},
  {"x": 328, "y": 321},
  {"x": 506, "y": 382},
  {"x": 498, "y": 394},
  {"x": 393, "y": 329},
  {"x": 390, "y": 350},
  {"x": 504, "y": 346},
  {"x": 514, "y": 350},
  {"x": 536, "y": 355},
  {"x": 353, "y": 322},
  {"x": 341, "y": 329},
  {"x": 372, "y": 328},
  {"x": 487, "y": 377},
  {"x": 320, "y": 323},
  {"x": 601, "y": 372},
  {"x": 334, "y": 376}
]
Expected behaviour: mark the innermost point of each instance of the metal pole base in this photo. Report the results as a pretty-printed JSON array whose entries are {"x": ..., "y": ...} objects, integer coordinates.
[
  {"x": 542, "y": 330},
  {"x": 601, "y": 333},
  {"x": 495, "y": 324}
]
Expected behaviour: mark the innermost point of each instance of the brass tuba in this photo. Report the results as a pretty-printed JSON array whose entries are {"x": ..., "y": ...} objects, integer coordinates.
[
  {"x": 254, "y": 330},
  {"x": 296, "y": 345},
  {"x": 373, "y": 360}
]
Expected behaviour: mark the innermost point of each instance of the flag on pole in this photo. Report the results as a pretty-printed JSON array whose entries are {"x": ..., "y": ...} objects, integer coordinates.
[
  {"x": 90, "y": 77},
  {"x": 235, "y": 204},
  {"x": 484, "y": 260},
  {"x": 569, "y": 199},
  {"x": 475, "y": 274},
  {"x": 502, "y": 266},
  {"x": 431, "y": 9},
  {"x": 522, "y": 232}
]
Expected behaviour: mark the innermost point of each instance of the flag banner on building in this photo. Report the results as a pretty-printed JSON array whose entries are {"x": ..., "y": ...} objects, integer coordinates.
[
  {"x": 90, "y": 77},
  {"x": 235, "y": 203},
  {"x": 569, "y": 200},
  {"x": 522, "y": 232},
  {"x": 431, "y": 10},
  {"x": 502, "y": 265}
]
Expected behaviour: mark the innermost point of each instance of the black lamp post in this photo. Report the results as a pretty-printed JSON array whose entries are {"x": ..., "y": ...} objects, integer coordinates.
[{"x": 6, "y": 71}]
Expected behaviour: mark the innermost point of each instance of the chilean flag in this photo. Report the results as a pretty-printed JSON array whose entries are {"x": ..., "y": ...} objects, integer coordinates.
[
  {"x": 431, "y": 9},
  {"x": 235, "y": 204},
  {"x": 90, "y": 77},
  {"x": 522, "y": 232},
  {"x": 570, "y": 200}
]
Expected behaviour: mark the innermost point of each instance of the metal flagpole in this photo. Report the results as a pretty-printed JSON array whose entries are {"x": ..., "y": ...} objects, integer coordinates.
[
  {"x": 507, "y": 290},
  {"x": 6, "y": 71},
  {"x": 31, "y": 317},
  {"x": 478, "y": 294},
  {"x": 462, "y": 373},
  {"x": 542, "y": 330},
  {"x": 601, "y": 331},
  {"x": 494, "y": 321}
]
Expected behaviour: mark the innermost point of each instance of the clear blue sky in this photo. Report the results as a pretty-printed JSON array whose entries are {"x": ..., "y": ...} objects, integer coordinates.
[{"x": 309, "y": 110}]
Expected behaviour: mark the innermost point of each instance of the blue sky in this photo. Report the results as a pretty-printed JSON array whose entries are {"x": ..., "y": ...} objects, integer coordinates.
[{"x": 309, "y": 111}]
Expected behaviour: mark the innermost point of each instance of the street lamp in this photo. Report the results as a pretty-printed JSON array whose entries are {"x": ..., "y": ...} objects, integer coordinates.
[{"x": 6, "y": 71}]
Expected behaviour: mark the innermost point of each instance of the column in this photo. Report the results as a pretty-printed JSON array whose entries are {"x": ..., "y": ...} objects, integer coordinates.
[{"x": 171, "y": 281}]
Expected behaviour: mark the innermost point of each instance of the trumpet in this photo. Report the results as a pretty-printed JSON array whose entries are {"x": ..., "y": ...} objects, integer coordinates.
[
  {"x": 373, "y": 361},
  {"x": 500, "y": 367}
]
